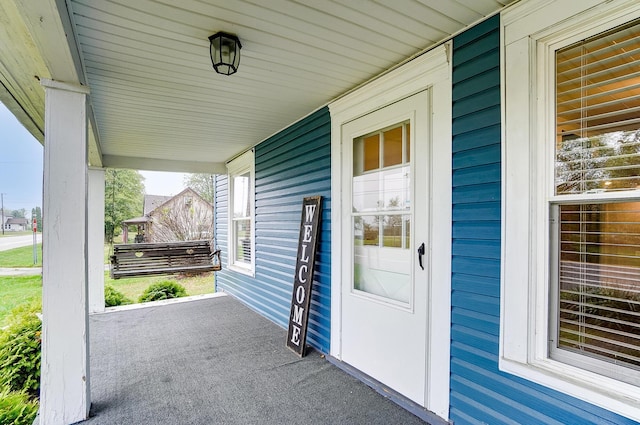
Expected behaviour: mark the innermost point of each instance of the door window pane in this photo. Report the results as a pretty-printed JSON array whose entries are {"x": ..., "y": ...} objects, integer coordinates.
[
  {"x": 381, "y": 206},
  {"x": 380, "y": 270},
  {"x": 366, "y": 194},
  {"x": 366, "y": 230},
  {"x": 371, "y": 146},
  {"x": 382, "y": 190},
  {"x": 393, "y": 233},
  {"x": 392, "y": 147}
]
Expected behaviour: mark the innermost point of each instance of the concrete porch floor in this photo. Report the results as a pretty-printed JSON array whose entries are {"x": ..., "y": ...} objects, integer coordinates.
[{"x": 214, "y": 361}]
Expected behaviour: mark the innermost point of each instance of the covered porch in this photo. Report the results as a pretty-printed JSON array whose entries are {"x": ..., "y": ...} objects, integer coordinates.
[
  {"x": 214, "y": 360},
  {"x": 131, "y": 85}
]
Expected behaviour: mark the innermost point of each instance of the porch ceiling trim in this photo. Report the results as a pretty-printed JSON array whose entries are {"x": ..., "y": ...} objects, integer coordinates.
[{"x": 155, "y": 164}]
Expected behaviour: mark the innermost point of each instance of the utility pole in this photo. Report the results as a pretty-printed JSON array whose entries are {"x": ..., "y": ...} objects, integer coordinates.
[{"x": 2, "y": 201}]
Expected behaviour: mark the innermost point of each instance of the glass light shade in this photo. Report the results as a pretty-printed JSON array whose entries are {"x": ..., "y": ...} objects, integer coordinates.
[{"x": 225, "y": 53}]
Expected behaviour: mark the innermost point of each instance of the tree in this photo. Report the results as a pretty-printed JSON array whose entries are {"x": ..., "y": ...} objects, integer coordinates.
[
  {"x": 21, "y": 213},
  {"x": 202, "y": 184},
  {"x": 123, "y": 192},
  {"x": 37, "y": 213}
]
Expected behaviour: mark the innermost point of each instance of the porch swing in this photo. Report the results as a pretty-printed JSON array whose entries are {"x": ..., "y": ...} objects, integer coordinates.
[{"x": 165, "y": 258}]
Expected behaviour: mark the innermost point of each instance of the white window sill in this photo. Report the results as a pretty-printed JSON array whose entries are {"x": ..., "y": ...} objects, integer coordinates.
[{"x": 247, "y": 270}]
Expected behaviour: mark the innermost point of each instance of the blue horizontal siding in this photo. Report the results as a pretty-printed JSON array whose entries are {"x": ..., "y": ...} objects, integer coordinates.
[
  {"x": 485, "y": 136},
  {"x": 489, "y": 173},
  {"x": 487, "y": 211},
  {"x": 476, "y": 248},
  {"x": 480, "y": 393},
  {"x": 482, "y": 155},
  {"x": 288, "y": 166},
  {"x": 470, "y": 283}
]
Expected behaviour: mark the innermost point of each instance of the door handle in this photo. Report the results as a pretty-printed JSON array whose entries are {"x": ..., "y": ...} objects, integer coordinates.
[{"x": 420, "y": 254}]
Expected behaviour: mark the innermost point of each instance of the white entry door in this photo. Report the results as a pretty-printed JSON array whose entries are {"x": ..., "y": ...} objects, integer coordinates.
[{"x": 385, "y": 288}]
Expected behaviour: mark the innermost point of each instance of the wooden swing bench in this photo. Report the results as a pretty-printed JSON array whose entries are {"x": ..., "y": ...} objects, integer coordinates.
[{"x": 144, "y": 259}]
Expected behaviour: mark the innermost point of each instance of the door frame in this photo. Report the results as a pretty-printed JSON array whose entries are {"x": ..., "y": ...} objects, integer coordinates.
[{"x": 431, "y": 71}]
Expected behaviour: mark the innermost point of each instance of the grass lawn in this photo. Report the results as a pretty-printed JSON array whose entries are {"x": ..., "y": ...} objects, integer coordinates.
[
  {"x": 15, "y": 290},
  {"x": 133, "y": 287},
  {"x": 8, "y": 234},
  {"x": 20, "y": 257}
]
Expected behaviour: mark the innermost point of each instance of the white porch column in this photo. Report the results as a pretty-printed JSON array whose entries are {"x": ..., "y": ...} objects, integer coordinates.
[
  {"x": 96, "y": 239},
  {"x": 64, "y": 393}
]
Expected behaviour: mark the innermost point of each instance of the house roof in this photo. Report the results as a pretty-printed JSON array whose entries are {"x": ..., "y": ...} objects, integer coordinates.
[
  {"x": 18, "y": 220},
  {"x": 187, "y": 191},
  {"x": 137, "y": 220},
  {"x": 156, "y": 103},
  {"x": 151, "y": 202},
  {"x": 154, "y": 202}
]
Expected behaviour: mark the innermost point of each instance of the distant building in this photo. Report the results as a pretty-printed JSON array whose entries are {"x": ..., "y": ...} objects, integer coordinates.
[
  {"x": 185, "y": 216},
  {"x": 14, "y": 224}
]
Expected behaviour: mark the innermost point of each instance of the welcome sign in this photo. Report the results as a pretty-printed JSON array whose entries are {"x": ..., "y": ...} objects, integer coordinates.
[{"x": 301, "y": 297}]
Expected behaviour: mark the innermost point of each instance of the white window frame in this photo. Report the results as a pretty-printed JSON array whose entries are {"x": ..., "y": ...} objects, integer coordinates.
[
  {"x": 243, "y": 164},
  {"x": 532, "y": 31}
]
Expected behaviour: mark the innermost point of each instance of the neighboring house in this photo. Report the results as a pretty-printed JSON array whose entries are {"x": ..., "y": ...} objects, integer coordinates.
[
  {"x": 185, "y": 216},
  {"x": 151, "y": 202},
  {"x": 14, "y": 224},
  {"x": 5, "y": 215},
  {"x": 143, "y": 223},
  {"x": 509, "y": 147}
]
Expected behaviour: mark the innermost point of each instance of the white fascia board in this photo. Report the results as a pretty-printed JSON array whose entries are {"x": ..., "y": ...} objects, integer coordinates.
[
  {"x": 51, "y": 30},
  {"x": 44, "y": 21}
]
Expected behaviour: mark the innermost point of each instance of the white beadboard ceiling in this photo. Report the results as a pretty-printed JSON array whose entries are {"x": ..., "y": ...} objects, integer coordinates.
[{"x": 157, "y": 101}]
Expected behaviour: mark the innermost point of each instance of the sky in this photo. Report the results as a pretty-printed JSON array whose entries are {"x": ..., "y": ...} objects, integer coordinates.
[
  {"x": 21, "y": 157},
  {"x": 162, "y": 183},
  {"x": 20, "y": 165}
]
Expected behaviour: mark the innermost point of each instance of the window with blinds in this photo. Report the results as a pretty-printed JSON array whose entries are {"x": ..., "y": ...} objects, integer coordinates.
[
  {"x": 241, "y": 210},
  {"x": 597, "y": 239},
  {"x": 599, "y": 287},
  {"x": 242, "y": 218},
  {"x": 598, "y": 113}
]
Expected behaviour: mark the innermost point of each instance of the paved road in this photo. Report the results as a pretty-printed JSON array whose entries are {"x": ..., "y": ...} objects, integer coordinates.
[
  {"x": 20, "y": 271},
  {"x": 10, "y": 242}
]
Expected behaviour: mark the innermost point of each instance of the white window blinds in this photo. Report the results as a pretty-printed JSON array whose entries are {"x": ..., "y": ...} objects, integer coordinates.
[
  {"x": 598, "y": 113},
  {"x": 597, "y": 262},
  {"x": 599, "y": 286}
]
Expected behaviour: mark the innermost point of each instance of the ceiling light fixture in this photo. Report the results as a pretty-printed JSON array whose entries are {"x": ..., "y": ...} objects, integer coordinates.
[{"x": 225, "y": 53}]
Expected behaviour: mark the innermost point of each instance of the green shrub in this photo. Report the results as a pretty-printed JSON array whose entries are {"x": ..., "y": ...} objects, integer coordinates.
[
  {"x": 20, "y": 350},
  {"x": 163, "y": 290},
  {"x": 113, "y": 297},
  {"x": 17, "y": 408}
]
